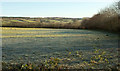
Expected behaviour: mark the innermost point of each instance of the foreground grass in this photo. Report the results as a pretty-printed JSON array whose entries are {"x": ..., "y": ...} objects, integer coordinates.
[{"x": 100, "y": 59}]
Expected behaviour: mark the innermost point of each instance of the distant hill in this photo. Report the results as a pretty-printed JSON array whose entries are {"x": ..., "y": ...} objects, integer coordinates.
[{"x": 48, "y": 22}]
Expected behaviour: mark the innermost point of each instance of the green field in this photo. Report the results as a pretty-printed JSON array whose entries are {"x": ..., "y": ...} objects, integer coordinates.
[{"x": 73, "y": 48}]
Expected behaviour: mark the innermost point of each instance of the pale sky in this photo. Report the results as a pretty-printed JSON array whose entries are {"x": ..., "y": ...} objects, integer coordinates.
[
  {"x": 58, "y": 0},
  {"x": 52, "y": 8}
]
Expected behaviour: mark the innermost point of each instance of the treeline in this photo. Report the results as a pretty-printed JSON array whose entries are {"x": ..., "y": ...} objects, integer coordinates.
[
  {"x": 107, "y": 19},
  {"x": 49, "y": 22}
]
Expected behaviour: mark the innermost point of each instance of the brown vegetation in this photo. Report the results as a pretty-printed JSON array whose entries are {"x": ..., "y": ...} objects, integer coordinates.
[{"x": 107, "y": 19}]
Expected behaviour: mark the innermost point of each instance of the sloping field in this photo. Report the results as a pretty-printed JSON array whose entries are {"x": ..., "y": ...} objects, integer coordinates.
[{"x": 35, "y": 45}]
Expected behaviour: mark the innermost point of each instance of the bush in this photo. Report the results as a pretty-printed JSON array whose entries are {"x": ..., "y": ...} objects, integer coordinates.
[{"x": 107, "y": 19}]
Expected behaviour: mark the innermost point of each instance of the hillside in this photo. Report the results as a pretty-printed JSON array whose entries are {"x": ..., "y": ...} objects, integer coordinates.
[{"x": 48, "y": 22}]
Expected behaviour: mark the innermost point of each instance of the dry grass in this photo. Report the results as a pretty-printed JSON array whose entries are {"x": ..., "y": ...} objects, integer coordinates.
[
  {"x": 29, "y": 32},
  {"x": 56, "y": 35}
]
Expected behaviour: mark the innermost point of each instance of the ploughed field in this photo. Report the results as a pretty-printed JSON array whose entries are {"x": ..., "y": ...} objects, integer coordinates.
[{"x": 73, "y": 48}]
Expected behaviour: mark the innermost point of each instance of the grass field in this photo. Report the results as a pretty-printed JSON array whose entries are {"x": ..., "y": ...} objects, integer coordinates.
[{"x": 74, "y": 48}]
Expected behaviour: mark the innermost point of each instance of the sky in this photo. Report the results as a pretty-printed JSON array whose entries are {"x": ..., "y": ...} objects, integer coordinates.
[{"x": 52, "y": 8}]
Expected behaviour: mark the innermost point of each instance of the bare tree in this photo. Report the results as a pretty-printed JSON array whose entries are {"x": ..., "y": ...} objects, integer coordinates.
[{"x": 106, "y": 19}]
